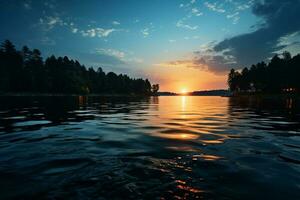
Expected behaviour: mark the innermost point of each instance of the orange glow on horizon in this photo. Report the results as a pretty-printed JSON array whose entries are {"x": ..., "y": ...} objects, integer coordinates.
[
  {"x": 182, "y": 79},
  {"x": 183, "y": 91}
]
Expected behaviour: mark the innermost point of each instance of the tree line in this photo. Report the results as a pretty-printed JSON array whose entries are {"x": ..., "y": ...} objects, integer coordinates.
[
  {"x": 281, "y": 74},
  {"x": 25, "y": 71}
]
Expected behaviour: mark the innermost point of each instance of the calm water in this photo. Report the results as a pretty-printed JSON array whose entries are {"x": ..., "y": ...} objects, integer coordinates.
[{"x": 149, "y": 148}]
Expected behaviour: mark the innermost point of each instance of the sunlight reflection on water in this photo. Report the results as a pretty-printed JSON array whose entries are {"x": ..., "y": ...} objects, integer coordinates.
[{"x": 179, "y": 147}]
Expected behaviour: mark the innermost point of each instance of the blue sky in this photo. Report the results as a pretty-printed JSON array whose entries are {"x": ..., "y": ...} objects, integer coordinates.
[{"x": 157, "y": 39}]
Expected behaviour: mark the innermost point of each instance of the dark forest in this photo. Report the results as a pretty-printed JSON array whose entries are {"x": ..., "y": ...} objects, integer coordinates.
[
  {"x": 280, "y": 75},
  {"x": 25, "y": 71}
]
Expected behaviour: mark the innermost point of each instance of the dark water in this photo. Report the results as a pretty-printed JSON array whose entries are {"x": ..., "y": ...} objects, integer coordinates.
[{"x": 149, "y": 148}]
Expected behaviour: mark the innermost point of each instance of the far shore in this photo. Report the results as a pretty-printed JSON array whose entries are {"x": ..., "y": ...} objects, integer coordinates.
[{"x": 236, "y": 95}]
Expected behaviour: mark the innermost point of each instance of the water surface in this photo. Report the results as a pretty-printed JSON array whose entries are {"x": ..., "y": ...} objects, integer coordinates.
[{"x": 149, "y": 148}]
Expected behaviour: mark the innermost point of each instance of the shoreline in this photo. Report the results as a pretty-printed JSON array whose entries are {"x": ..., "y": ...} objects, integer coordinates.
[{"x": 243, "y": 95}]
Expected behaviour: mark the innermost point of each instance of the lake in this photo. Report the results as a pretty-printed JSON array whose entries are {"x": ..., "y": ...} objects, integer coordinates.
[{"x": 179, "y": 147}]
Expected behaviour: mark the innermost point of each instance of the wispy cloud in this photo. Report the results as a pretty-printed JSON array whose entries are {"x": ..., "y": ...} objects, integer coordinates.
[
  {"x": 289, "y": 42},
  {"x": 145, "y": 32},
  {"x": 51, "y": 4},
  {"x": 208, "y": 62},
  {"x": 122, "y": 56},
  {"x": 49, "y": 22},
  {"x": 191, "y": 11},
  {"x": 27, "y": 5},
  {"x": 277, "y": 33},
  {"x": 111, "y": 52},
  {"x": 214, "y": 7},
  {"x": 234, "y": 16},
  {"x": 196, "y": 12},
  {"x": 244, "y": 6},
  {"x": 180, "y": 23},
  {"x": 233, "y": 8},
  {"x": 116, "y": 23},
  {"x": 236, "y": 7},
  {"x": 97, "y": 32},
  {"x": 182, "y": 63},
  {"x": 74, "y": 30}
]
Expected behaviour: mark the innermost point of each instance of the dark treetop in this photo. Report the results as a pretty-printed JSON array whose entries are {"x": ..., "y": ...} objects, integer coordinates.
[
  {"x": 25, "y": 72},
  {"x": 280, "y": 75}
]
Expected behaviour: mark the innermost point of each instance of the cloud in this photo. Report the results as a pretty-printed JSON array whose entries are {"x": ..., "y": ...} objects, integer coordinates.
[
  {"x": 191, "y": 11},
  {"x": 54, "y": 20},
  {"x": 214, "y": 7},
  {"x": 135, "y": 60},
  {"x": 196, "y": 12},
  {"x": 50, "y": 4},
  {"x": 279, "y": 30},
  {"x": 97, "y": 32},
  {"x": 245, "y": 6},
  {"x": 74, "y": 30},
  {"x": 204, "y": 59},
  {"x": 116, "y": 23},
  {"x": 234, "y": 16},
  {"x": 180, "y": 23},
  {"x": 27, "y": 5},
  {"x": 181, "y": 63},
  {"x": 290, "y": 42},
  {"x": 49, "y": 22},
  {"x": 103, "y": 59},
  {"x": 145, "y": 32},
  {"x": 111, "y": 52},
  {"x": 279, "y": 20},
  {"x": 121, "y": 56}
]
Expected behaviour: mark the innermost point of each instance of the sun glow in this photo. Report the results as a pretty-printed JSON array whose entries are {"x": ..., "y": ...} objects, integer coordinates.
[{"x": 183, "y": 91}]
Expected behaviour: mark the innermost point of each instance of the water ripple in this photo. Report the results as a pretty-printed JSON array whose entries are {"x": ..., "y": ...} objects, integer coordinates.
[{"x": 149, "y": 148}]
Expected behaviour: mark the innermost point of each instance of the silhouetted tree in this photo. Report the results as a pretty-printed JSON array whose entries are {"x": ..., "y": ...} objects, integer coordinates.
[
  {"x": 155, "y": 88},
  {"x": 233, "y": 80},
  {"x": 11, "y": 65},
  {"x": 25, "y": 71},
  {"x": 280, "y": 75}
]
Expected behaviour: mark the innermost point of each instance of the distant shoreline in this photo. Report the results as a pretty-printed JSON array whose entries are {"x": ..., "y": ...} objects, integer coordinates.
[{"x": 243, "y": 95}]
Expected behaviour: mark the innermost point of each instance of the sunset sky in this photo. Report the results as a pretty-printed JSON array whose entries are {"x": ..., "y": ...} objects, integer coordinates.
[{"x": 180, "y": 44}]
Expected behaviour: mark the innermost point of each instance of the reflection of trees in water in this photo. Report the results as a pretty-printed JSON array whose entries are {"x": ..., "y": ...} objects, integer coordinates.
[
  {"x": 154, "y": 100},
  {"x": 272, "y": 104},
  {"x": 279, "y": 112},
  {"x": 61, "y": 110},
  {"x": 290, "y": 103}
]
